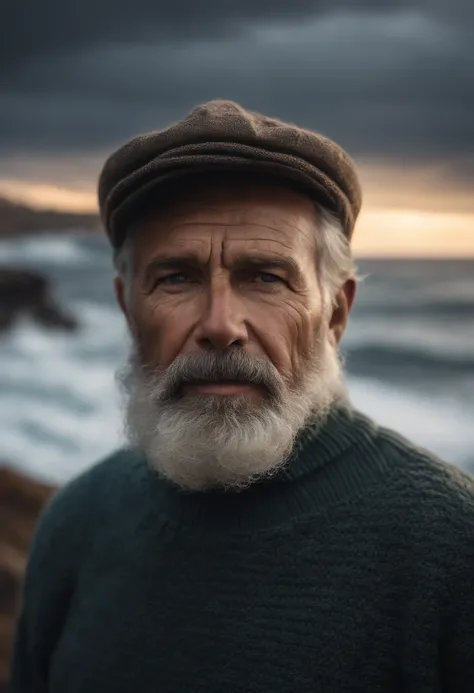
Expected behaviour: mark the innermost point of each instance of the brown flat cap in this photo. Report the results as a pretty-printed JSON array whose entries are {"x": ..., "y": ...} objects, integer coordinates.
[{"x": 223, "y": 136}]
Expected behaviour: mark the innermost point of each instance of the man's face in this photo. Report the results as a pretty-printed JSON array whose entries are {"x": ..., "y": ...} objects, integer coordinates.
[{"x": 227, "y": 315}]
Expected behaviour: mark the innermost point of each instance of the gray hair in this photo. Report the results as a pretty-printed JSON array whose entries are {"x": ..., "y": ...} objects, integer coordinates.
[{"x": 335, "y": 263}]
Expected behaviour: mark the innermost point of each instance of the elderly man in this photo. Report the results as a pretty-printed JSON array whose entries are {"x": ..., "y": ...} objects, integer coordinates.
[{"x": 258, "y": 534}]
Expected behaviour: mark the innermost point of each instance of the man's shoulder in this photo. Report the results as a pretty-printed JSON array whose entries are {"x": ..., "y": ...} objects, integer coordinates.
[
  {"x": 434, "y": 489},
  {"x": 111, "y": 472},
  {"x": 81, "y": 502}
]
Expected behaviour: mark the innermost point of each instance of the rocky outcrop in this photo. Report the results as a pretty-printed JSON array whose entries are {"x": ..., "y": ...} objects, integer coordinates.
[
  {"x": 17, "y": 219},
  {"x": 21, "y": 501},
  {"x": 25, "y": 292}
]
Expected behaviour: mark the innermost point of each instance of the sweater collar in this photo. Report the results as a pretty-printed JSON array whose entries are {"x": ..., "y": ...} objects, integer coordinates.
[
  {"x": 319, "y": 444},
  {"x": 330, "y": 462}
]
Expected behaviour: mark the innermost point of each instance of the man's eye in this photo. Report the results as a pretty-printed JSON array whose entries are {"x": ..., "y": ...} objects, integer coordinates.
[
  {"x": 175, "y": 278},
  {"x": 269, "y": 278}
]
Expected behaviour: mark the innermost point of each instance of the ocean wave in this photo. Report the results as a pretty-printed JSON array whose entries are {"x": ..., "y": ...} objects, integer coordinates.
[
  {"x": 448, "y": 308},
  {"x": 439, "y": 424},
  {"x": 54, "y": 442},
  {"x": 410, "y": 347},
  {"x": 432, "y": 338},
  {"x": 65, "y": 249},
  {"x": 406, "y": 362}
]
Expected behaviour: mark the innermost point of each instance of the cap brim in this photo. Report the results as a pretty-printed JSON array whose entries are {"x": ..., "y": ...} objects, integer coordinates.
[{"x": 155, "y": 192}]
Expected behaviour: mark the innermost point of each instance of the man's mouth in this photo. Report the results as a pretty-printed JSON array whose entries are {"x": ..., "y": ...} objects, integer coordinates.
[{"x": 219, "y": 387}]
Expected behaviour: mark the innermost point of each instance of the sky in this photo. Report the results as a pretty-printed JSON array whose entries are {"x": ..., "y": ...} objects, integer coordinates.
[{"x": 391, "y": 81}]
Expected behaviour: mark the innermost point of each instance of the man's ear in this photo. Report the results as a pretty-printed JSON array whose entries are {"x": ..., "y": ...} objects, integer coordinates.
[
  {"x": 343, "y": 304},
  {"x": 120, "y": 295}
]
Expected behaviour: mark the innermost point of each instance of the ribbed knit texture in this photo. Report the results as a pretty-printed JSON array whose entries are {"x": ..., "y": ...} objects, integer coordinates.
[{"x": 352, "y": 570}]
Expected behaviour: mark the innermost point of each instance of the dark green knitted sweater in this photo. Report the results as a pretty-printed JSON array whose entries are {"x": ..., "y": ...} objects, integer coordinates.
[{"x": 353, "y": 570}]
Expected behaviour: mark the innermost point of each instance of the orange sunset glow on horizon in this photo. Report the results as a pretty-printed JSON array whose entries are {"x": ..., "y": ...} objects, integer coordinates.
[
  {"x": 381, "y": 230},
  {"x": 392, "y": 87}
]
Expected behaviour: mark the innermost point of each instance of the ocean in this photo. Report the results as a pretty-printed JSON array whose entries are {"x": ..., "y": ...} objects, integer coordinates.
[{"x": 409, "y": 353}]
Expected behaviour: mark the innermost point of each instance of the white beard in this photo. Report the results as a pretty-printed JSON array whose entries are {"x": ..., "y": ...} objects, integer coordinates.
[{"x": 227, "y": 442}]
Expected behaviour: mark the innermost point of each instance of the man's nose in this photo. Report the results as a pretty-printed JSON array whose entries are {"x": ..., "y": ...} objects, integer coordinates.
[{"x": 223, "y": 323}]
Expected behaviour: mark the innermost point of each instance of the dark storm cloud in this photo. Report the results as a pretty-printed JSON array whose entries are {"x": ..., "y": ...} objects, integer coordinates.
[
  {"x": 31, "y": 29},
  {"x": 389, "y": 80},
  {"x": 54, "y": 26}
]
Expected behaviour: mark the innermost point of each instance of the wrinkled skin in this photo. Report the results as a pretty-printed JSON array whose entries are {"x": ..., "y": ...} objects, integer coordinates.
[{"x": 230, "y": 265}]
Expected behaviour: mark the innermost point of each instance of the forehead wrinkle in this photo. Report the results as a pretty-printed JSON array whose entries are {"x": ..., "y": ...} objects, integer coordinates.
[
  {"x": 225, "y": 224},
  {"x": 251, "y": 241},
  {"x": 279, "y": 237},
  {"x": 177, "y": 228},
  {"x": 239, "y": 214}
]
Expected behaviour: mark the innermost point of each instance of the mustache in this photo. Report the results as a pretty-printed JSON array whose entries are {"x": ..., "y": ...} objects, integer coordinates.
[{"x": 232, "y": 365}]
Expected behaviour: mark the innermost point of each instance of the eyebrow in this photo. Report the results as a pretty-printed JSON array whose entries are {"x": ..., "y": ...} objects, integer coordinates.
[
  {"x": 168, "y": 262},
  {"x": 287, "y": 264}
]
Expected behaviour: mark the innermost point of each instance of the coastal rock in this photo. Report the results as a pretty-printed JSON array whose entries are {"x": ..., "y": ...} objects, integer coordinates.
[
  {"x": 19, "y": 219},
  {"x": 21, "y": 501},
  {"x": 25, "y": 292}
]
